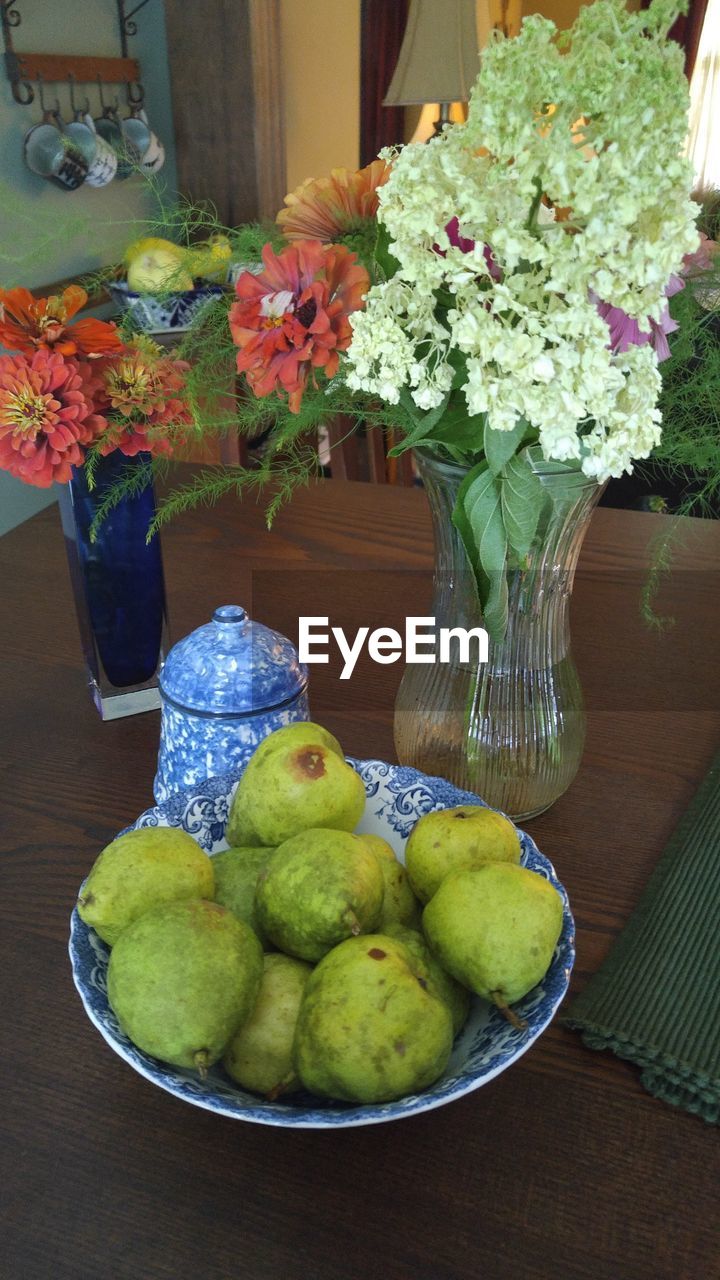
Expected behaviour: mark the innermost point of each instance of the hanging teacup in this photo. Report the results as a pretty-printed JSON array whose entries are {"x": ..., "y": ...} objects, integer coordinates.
[
  {"x": 52, "y": 155},
  {"x": 109, "y": 127},
  {"x": 138, "y": 133}
]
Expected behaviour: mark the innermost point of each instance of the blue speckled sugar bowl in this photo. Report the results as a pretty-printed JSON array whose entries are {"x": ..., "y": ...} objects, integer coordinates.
[{"x": 224, "y": 688}]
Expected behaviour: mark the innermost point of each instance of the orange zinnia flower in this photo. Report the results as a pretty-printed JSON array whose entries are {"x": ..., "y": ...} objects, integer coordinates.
[
  {"x": 28, "y": 323},
  {"x": 143, "y": 398},
  {"x": 293, "y": 317},
  {"x": 327, "y": 208}
]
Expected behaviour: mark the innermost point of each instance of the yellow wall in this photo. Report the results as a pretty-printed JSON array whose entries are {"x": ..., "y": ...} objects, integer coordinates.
[
  {"x": 562, "y": 12},
  {"x": 321, "y": 67}
]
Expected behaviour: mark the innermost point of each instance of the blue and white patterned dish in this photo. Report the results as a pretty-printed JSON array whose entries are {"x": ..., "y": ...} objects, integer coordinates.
[
  {"x": 396, "y": 798},
  {"x": 167, "y": 313},
  {"x": 224, "y": 688}
]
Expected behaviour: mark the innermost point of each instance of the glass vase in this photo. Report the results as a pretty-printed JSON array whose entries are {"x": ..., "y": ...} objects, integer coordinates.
[
  {"x": 511, "y": 729},
  {"x": 119, "y": 588}
]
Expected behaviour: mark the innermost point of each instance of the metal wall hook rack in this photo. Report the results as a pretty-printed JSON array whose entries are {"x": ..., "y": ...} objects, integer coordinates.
[{"x": 25, "y": 68}]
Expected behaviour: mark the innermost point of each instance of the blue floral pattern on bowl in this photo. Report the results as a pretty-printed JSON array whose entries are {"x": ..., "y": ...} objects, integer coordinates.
[
  {"x": 165, "y": 314},
  {"x": 224, "y": 688},
  {"x": 487, "y": 1045}
]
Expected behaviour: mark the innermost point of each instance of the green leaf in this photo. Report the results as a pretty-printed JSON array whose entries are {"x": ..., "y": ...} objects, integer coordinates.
[
  {"x": 482, "y": 503},
  {"x": 495, "y": 608},
  {"x": 522, "y": 499},
  {"x": 501, "y": 445},
  {"x": 424, "y": 423},
  {"x": 568, "y": 483},
  {"x": 385, "y": 260},
  {"x": 481, "y": 526}
]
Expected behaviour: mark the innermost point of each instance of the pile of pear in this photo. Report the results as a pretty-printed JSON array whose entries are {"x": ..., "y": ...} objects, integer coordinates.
[{"x": 306, "y": 955}]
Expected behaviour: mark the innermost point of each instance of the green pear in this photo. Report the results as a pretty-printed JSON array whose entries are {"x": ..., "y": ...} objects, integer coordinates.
[
  {"x": 259, "y": 1056},
  {"x": 454, "y": 839},
  {"x": 241, "y": 831},
  {"x": 400, "y": 906},
  {"x": 456, "y": 997},
  {"x": 495, "y": 929},
  {"x": 139, "y": 871},
  {"x": 370, "y": 1029},
  {"x": 292, "y": 784},
  {"x": 182, "y": 979},
  {"x": 236, "y": 873},
  {"x": 316, "y": 889}
]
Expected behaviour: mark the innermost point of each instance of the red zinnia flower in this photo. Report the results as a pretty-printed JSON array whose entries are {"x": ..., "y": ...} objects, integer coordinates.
[
  {"x": 46, "y": 416},
  {"x": 293, "y": 317},
  {"x": 28, "y": 323}
]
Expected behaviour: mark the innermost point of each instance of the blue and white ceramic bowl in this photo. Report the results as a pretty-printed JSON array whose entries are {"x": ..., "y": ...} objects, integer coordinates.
[
  {"x": 487, "y": 1045},
  {"x": 167, "y": 313}
]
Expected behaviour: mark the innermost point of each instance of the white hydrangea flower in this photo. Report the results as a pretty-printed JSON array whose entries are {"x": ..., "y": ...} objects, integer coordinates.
[{"x": 554, "y": 207}]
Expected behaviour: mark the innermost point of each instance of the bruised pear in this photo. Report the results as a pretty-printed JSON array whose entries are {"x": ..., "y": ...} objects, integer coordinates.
[
  {"x": 452, "y": 839},
  {"x": 182, "y": 979},
  {"x": 495, "y": 930},
  {"x": 294, "y": 782},
  {"x": 241, "y": 831},
  {"x": 316, "y": 889},
  {"x": 259, "y": 1056},
  {"x": 370, "y": 1029},
  {"x": 139, "y": 871}
]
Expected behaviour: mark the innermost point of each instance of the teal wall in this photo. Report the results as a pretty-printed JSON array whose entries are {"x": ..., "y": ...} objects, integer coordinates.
[{"x": 46, "y": 233}]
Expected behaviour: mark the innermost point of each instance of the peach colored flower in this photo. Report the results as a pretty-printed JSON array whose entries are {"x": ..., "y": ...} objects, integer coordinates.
[
  {"x": 327, "y": 208},
  {"x": 143, "y": 398},
  {"x": 47, "y": 416},
  {"x": 28, "y": 323},
  {"x": 293, "y": 317}
]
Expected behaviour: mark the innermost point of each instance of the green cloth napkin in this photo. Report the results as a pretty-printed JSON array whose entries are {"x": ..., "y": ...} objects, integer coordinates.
[{"x": 656, "y": 1000}]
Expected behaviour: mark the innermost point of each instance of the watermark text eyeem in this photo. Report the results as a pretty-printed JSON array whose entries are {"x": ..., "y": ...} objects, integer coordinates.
[{"x": 422, "y": 642}]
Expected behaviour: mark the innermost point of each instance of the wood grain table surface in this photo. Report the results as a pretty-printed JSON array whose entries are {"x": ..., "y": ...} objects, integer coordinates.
[{"x": 562, "y": 1166}]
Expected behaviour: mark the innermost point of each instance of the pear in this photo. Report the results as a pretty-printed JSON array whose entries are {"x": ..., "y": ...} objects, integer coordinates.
[
  {"x": 259, "y": 1056},
  {"x": 240, "y": 830},
  {"x": 400, "y": 906},
  {"x": 495, "y": 930},
  {"x": 236, "y": 872},
  {"x": 158, "y": 270},
  {"x": 370, "y": 1029},
  {"x": 182, "y": 979},
  {"x": 453, "y": 839},
  {"x": 316, "y": 889},
  {"x": 455, "y": 996},
  {"x": 296, "y": 780},
  {"x": 141, "y": 870}
]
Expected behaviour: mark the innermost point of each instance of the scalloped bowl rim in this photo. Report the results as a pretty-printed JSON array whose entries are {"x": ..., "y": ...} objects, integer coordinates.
[{"x": 321, "y": 1115}]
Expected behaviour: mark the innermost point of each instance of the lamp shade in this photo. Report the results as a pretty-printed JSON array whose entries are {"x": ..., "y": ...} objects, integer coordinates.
[{"x": 439, "y": 56}]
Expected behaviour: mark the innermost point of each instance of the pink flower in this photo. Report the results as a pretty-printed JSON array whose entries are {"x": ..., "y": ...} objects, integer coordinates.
[
  {"x": 46, "y": 416},
  {"x": 465, "y": 245},
  {"x": 625, "y": 332},
  {"x": 694, "y": 264}
]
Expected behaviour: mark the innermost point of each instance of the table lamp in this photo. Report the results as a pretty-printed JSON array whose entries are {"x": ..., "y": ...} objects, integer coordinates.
[{"x": 438, "y": 59}]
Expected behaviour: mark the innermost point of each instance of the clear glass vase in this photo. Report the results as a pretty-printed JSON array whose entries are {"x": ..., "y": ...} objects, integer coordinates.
[{"x": 511, "y": 729}]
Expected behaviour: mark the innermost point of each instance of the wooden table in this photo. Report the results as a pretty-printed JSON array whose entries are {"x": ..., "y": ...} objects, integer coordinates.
[{"x": 562, "y": 1166}]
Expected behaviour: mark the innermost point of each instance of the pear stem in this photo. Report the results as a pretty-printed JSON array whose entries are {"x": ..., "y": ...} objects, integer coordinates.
[
  {"x": 202, "y": 1062},
  {"x": 353, "y": 923},
  {"x": 519, "y": 1023},
  {"x": 281, "y": 1087}
]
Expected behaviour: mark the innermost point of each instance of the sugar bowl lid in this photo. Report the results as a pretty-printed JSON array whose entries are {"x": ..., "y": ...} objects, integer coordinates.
[{"x": 232, "y": 666}]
